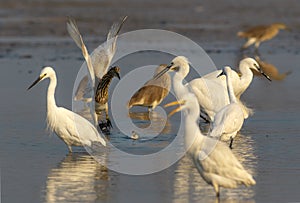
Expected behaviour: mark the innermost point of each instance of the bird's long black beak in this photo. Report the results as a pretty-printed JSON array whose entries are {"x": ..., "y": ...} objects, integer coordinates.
[
  {"x": 35, "y": 82},
  {"x": 222, "y": 73},
  {"x": 118, "y": 76},
  {"x": 262, "y": 72},
  {"x": 158, "y": 75}
]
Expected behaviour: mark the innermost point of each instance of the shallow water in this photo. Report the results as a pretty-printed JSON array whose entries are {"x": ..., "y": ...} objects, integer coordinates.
[{"x": 36, "y": 167}]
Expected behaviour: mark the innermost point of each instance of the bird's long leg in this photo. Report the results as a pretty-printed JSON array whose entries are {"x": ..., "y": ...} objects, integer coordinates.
[
  {"x": 204, "y": 118},
  {"x": 231, "y": 142},
  {"x": 108, "y": 122},
  {"x": 70, "y": 149},
  {"x": 248, "y": 43},
  {"x": 217, "y": 189}
]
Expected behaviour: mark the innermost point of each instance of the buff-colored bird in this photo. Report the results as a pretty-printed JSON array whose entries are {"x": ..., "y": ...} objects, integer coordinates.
[
  {"x": 257, "y": 34},
  {"x": 270, "y": 70},
  {"x": 153, "y": 92}
]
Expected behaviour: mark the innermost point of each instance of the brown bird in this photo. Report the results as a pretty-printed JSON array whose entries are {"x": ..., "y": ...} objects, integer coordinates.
[
  {"x": 261, "y": 33},
  {"x": 153, "y": 91},
  {"x": 270, "y": 70},
  {"x": 101, "y": 95}
]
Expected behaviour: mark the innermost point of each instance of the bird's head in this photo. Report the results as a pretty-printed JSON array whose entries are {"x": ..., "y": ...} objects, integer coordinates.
[
  {"x": 46, "y": 72},
  {"x": 225, "y": 71},
  {"x": 281, "y": 26},
  {"x": 252, "y": 64},
  {"x": 116, "y": 71},
  {"x": 179, "y": 64}
]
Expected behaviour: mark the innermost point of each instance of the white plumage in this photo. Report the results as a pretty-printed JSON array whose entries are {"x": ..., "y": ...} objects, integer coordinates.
[
  {"x": 215, "y": 162},
  {"x": 229, "y": 120},
  {"x": 211, "y": 91},
  {"x": 99, "y": 61},
  {"x": 70, "y": 127}
]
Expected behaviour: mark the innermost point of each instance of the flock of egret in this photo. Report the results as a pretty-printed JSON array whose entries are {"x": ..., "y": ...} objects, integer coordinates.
[
  {"x": 215, "y": 162},
  {"x": 217, "y": 94}
]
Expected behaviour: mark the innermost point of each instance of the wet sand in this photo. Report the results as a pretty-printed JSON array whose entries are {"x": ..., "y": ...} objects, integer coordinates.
[{"x": 35, "y": 167}]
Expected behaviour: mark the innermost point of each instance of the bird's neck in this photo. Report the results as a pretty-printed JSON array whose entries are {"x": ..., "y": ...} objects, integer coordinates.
[
  {"x": 193, "y": 136},
  {"x": 231, "y": 94},
  {"x": 102, "y": 88},
  {"x": 178, "y": 85},
  {"x": 246, "y": 77},
  {"x": 51, "y": 104}
]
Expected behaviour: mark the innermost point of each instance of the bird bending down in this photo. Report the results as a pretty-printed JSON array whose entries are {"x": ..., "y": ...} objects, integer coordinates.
[
  {"x": 239, "y": 83},
  {"x": 153, "y": 92},
  {"x": 101, "y": 96},
  {"x": 257, "y": 34},
  {"x": 229, "y": 120},
  {"x": 71, "y": 128},
  {"x": 215, "y": 162}
]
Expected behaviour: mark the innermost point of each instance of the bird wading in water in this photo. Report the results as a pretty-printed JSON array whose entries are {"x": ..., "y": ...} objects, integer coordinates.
[
  {"x": 71, "y": 128},
  {"x": 101, "y": 95}
]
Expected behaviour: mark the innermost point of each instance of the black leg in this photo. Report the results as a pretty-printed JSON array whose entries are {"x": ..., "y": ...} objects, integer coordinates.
[
  {"x": 231, "y": 142},
  {"x": 108, "y": 123},
  {"x": 204, "y": 118}
]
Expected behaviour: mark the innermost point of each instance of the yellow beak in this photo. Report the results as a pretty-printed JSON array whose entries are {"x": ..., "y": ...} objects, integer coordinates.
[{"x": 173, "y": 104}]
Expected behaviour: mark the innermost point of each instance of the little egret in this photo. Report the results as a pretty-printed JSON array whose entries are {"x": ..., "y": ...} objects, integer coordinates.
[
  {"x": 153, "y": 92},
  {"x": 211, "y": 95},
  {"x": 215, "y": 162},
  {"x": 261, "y": 33},
  {"x": 229, "y": 120},
  {"x": 70, "y": 127},
  {"x": 239, "y": 84}
]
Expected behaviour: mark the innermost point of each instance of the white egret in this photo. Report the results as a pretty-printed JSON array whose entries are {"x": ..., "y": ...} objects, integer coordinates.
[
  {"x": 70, "y": 127},
  {"x": 239, "y": 83},
  {"x": 153, "y": 92},
  {"x": 215, "y": 162},
  {"x": 211, "y": 95},
  {"x": 229, "y": 120},
  {"x": 212, "y": 91}
]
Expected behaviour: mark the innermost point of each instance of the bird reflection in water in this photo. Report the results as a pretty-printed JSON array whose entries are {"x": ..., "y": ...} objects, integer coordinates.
[
  {"x": 77, "y": 178},
  {"x": 270, "y": 70},
  {"x": 188, "y": 186},
  {"x": 152, "y": 122}
]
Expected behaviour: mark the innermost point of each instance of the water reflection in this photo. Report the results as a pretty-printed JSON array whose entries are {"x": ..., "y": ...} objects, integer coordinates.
[
  {"x": 78, "y": 178},
  {"x": 270, "y": 70},
  {"x": 153, "y": 122},
  {"x": 188, "y": 186}
]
